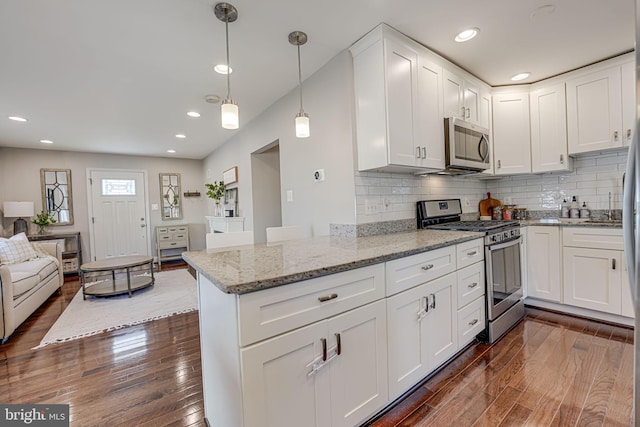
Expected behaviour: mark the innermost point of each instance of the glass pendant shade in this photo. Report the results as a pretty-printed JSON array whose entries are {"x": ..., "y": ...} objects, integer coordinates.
[
  {"x": 229, "y": 115},
  {"x": 302, "y": 125}
]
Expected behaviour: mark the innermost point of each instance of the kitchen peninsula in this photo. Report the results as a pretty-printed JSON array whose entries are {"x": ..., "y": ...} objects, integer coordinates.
[{"x": 309, "y": 332}]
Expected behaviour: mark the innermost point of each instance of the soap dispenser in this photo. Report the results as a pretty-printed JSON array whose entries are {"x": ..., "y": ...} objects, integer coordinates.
[
  {"x": 564, "y": 212},
  {"x": 584, "y": 211},
  {"x": 574, "y": 212}
]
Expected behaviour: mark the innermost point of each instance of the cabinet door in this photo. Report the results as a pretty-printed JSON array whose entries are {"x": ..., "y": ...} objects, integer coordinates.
[
  {"x": 441, "y": 320},
  {"x": 472, "y": 102},
  {"x": 279, "y": 388},
  {"x": 543, "y": 263},
  {"x": 485, "y": 109},
  {"x": 628, "y": 101},
  {"x": 407, "y": 339},
  {"x": 549, "y": 129},
  {"x": 359, "y": 373},
  {"x": 401, "y": 79},
  {"x": 594, "y": 111},
  {"x": 592, "y": 279},
  {"x": 429, "y": 124},
  {"x": 453, "y": 95},
  {"x": 511, "y": 137}
]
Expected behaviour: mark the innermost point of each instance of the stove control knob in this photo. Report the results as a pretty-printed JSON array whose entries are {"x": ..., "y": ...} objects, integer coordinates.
[
  {"x": 494, "y": 238},
  {"x": 506, "y": 235}
]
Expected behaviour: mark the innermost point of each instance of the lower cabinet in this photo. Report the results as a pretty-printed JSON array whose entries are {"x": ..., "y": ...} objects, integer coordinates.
[
  {"x": 544, "y": 277},
  {"x": 333, "y": 372},
  {"x": 422, "y": 331}
]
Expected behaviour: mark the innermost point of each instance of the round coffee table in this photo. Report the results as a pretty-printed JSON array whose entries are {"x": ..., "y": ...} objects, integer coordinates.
[{"x": 117, "y": 286}]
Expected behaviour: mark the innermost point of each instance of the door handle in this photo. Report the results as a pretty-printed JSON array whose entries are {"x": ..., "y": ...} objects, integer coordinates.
[
  {"x": 468, "y": 112},
  {"x": 473, "y": 322},
  {"x": 433, "y": 303},
  {"x": 472, "y": 253},
  {"x": 324, "y": 349},
  {"x": 143, "y": 225},
  {"x": 338, "y": 344},
  {"x": 613, "y": 263},
  {"x": 417, "y": 152},
  {"x": 424, "y": 153},
  {"x": 562, "y": 159},
  {"x": 473, "y": 285},
  {"x": 499, "y": 164},
  {"x": 427, "y": 267},
  {"x": 327, "y": 297}
]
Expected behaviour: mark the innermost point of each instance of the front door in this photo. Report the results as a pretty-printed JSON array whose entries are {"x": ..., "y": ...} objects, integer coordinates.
[{"x": 118, "y": 219}]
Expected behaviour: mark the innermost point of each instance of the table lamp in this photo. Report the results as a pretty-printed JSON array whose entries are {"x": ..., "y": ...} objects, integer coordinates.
[{"x": 19, "y": 210}]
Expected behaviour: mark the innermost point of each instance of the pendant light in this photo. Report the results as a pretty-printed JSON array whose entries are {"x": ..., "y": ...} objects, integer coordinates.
[
  {"x": 229, "y": 109},
  {"x": 298, "y": 38}
]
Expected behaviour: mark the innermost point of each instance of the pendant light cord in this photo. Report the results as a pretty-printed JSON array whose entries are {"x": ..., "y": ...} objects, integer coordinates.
[
  {"x": 300, "y": 79},
  {"x": 226, "y": 29}
]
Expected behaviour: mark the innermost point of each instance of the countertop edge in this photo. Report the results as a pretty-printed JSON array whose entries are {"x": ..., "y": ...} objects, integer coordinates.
[{"x": 258, "y": 285}]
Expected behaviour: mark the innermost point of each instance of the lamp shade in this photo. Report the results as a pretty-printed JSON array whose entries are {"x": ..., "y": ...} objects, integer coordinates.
[
  {"x": 229, "y": 114},
  {"x": 302, "y": 125},
  {"x": 18, "y": 209}
]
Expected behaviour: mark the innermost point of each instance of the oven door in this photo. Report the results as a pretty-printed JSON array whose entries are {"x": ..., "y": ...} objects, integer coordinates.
[{"x": 504, "y": 276}]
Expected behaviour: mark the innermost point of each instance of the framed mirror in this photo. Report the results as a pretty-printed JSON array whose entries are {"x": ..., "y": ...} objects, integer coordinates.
[
  {"x": 56, "y": 195},
  {"x": 170, "y": 193}
]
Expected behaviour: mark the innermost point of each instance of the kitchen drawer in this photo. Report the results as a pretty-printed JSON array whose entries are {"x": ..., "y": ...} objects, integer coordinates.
[
  {"x": 468, "y": 253},
  {"x": 171, "y": 244},
  {"x": 164, "y": 237},
  {"x": 593, "y": 237},
  {"x": 162, "y": 231},
  {"x": 180, "y": 235},
  {"x": 414, "y": 270},
  {"x": 470, "y": 283},
  {"x": 471, "y": 321},
  {"x": 273, "y": 311}
]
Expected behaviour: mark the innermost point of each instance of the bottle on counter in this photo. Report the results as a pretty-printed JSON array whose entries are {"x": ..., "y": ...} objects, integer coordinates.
[
  {"x": 574, "y": 211},
  {"x": 564, "y": 212},
  {"x": 584, "y": 211}
]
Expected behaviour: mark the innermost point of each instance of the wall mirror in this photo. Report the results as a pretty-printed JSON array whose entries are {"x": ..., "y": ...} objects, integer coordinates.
[
  {"x": 170, "y": 193},
  {"x": 56, "y": 195}
]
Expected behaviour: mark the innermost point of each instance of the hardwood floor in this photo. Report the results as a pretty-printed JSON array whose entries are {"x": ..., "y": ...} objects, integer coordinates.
[{"x": 550, "y": 370}]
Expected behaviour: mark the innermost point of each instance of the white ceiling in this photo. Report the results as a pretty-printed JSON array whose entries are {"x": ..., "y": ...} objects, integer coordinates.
[{"x": 118, "y": 76}]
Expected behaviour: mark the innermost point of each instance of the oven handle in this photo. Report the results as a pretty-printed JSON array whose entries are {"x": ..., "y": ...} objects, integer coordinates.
[{"x": 505, "y": 245}]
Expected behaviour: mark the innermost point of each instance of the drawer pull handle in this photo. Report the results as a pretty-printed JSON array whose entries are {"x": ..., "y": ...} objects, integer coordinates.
[
  {"x": 427, "y": 267},
  {"x": 613, "y": 263},
  {"x": 473, "y": 285},
  {"x": 324, "y": 349},
  {"x": 327, "y": 297},
  {"x": 433, "y": 303},
  {"x": 472, "y": 253},
  {"x": 473, "y": 322},
  {"x": 173, "y": 244},
  {"x": 339, "y": 344}
]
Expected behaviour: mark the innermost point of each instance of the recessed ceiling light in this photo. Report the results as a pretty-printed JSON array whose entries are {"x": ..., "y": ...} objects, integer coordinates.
[
  {"x": 466, "y": 35},
  {"x": 46, "y": 141},
  {"x": 17, "y": 119},
  {"x": 181, "y": 136},
  {"x": 542, "y": 12},
  {"x": 193, "y": 114},
  {"x": 520, "y": 76},
  {"x": 171, "y": 151},
  {"x": 222, "y": 69}
]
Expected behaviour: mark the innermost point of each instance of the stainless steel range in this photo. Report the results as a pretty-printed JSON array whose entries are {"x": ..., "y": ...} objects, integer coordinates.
[{"x": 503, "y": 263}]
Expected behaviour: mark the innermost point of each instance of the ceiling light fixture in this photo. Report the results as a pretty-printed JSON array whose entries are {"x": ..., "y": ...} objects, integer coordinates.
[
  {"x": 466, "y": 35},
  {"x": 193, "y": 114},
  {"x": 181, "y": 135},
  {"x": 520, "y": 76},
  {"x": 46, "y": 141},
  {"x": 229, "y": 109},
  {"x": 222, "y": 69},
  {"x": 298, "y": 38},
  {"x": 17, "y": 119}
]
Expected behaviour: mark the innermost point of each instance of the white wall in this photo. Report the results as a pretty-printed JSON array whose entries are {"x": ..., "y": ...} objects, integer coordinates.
[
  {"x": 20, "y": 175},
  {"x": 328, "y": 98}
]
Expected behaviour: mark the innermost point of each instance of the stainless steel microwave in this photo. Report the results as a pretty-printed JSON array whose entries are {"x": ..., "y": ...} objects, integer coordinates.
[{"x": 466, "y": 146}]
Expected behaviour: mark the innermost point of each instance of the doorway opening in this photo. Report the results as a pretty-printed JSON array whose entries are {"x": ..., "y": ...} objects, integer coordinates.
[{"x": 265, "y": 182}]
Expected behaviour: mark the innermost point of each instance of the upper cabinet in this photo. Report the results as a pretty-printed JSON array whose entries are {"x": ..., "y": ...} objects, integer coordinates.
[
  {"x": 398, "y": 92},
  {"x": 463, "y": 99},
  {"x": 600, "y": 108},
  {"x": 511, "y": 140},
  {"x": 549, "y": 129}
]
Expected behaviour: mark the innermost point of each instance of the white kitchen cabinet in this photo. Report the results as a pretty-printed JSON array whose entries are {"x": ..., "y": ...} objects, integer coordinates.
[
  {"x": 549, "y": 150},
  {"x": 601, "y": 108},
  {"x": 511, "y": 136},
  {"x": 221, "y": 224},
  {"x": 423, "y": 332},
  {"x": 462, "y": 98},
  {"x": 544, "y": 278},
  {"x": 594, "y": 270},
  {"x": 291, "y": 385},
  {"x": 398, "y": 91}
]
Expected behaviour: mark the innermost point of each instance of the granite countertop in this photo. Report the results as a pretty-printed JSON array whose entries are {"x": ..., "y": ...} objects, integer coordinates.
[
  {"x": 250, "y": 268},
  {"x": 568, "y": 222}
]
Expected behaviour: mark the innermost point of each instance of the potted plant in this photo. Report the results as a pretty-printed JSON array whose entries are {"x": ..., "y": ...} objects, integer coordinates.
[
  {"x": 215, "y": 191},
  {"x": 43, "y": 219}
]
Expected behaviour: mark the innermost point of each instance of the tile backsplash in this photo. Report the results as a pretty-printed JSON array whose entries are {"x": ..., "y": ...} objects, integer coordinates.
[{"x": 389, "y": 196}]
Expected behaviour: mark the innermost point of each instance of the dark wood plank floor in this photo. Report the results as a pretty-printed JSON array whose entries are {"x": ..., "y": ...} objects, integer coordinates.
[{"x": 550, "y": 370}]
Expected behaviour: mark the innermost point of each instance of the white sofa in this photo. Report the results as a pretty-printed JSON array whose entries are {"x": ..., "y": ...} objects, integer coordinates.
[{"x": 24, "y": 286}]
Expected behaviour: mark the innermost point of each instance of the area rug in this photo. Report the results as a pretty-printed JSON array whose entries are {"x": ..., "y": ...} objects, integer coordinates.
[{"x": 174, "y": 292}]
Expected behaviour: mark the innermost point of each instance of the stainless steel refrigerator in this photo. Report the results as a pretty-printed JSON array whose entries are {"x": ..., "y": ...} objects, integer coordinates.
[{"x": 631, "y": 225}]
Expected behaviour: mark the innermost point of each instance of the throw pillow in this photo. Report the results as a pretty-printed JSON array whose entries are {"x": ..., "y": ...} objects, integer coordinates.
[{"x": 16, "y": 249}]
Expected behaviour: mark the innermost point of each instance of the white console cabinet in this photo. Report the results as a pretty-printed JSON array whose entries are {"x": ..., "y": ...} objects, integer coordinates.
[{"x": 221, "y": 224}]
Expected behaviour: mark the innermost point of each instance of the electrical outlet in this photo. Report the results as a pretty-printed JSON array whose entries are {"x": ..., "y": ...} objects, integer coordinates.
[
  {"x": 371, "y": 208},
  {"x": 154, "y": 207},
  {"x": 318, "y": 175}
]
